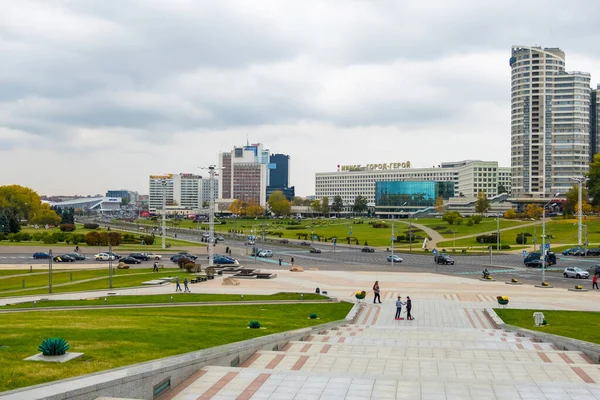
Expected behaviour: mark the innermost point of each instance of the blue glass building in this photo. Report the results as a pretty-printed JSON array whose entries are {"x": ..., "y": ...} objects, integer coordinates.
[{"x": 414, "y": 194}]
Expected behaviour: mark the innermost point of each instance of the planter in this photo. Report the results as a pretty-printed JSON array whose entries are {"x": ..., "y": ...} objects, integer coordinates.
[
  {"x": 360, "y": 295},
  {"x": 502, "y": 300}
]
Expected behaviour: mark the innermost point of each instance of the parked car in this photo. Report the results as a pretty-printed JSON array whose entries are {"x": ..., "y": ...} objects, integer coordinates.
[
  {"x": 104, "y": 257},
  {"x": 594, "y": 269},
  {"x": 304, "y": 244},
  {"x": 394, "y": 258},
  {"x": 315, "y": 250},
  {"x": 139, "y": 256},
  {"x": 153, "y": 256},
  {"x": 537, "y": 255},
  {"x": 115, "y": 255},
  {"x": 219, "y": 259},
  {"x": 41, "y": 254},
  {"x": 534, "y": 263},
  {"x": 445, "y": 259},
  {"x": 176, "y": 257},
  {"x": 265, "y": 253},
  {"x": 188, "y": 254},
  {"x": 63, "y": 258},
  {"x": 284, "y": 241},
  {"x": 220, "y": 238},
  {"x": 367, "y": 249},
  {"x": 130, "y": 260},
  {"x": 576, "y": 272},
  {"x": 76, "y": 256}
]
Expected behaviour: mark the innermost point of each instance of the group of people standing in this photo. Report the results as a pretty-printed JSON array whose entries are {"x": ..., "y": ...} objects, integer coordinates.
[{"x": 399, "y": 302}]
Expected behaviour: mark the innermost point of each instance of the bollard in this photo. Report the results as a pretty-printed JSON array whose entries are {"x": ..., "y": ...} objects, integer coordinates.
[
  {"x": 171, "y": 299},
  {"x": 31, "y": 268},
  {"x": 301, "y": 296},
  {"x": 23, "y": 283},
  {"x": 242, "y": 297},
  {"x": 34, "y": 303},
  {"x": 105, "y": 301}
]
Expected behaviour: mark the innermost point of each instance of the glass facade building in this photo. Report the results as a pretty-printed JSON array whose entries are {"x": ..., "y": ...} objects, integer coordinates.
[{"x": 411, "y": 193}]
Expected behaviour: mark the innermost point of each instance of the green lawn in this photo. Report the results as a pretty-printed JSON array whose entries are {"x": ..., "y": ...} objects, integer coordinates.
[
  {"x": 582, "y": 325},
  {"x": 121, "y": 279},
  {"x": 166, "y": 298},
  {"x": 486, "y": 225},
  {"x": 115, "y": 338}
]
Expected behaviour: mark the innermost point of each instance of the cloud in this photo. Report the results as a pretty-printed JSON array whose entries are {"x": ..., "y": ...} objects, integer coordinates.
[{"x": 114, "y": 91}]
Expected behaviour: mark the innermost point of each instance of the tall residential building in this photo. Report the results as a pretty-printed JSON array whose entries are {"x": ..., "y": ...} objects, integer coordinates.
[
  {"x": 206, "y": 189},
  {"x": 550, "y": 129},
  {"x": 131, "y": 196},
  {"x": 244, "y": 174},
  {"x": 183, "y": 192},
  {"x": 279, "y": 176},
  {"x": 594, "y": 122}
]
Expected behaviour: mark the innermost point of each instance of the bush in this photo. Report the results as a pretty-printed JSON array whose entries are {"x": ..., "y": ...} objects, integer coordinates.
[
  {"x": 491, "y": 238},
  {"x": 14, "y": 237},
  {"x": 148, "y": 240},
  {"x": 91, "y": 226},
  {"x": 521, "y": 238},
  {"x": 254, "y": 324},
  {"x": 476, "y": 219},
  {"x": 54, "y": 347},
  {"x": 92, "y": 239},
  {"x": 379, "y": 224},
  {"x": 183, "y": 261},
  {"x": 470, "y": 222},
  {"x": 451, "y": 216},
  {"x": 504, "y": 247},
  {"x": 294, "y": 228},
  {"x": 313, "y": 316},
  {"x": 510, "y": 214},
  {"x": 67, "y": 227},
  {"x": 60, "y": 236},
  {"x": 122, "y": 265},
  {"x": 2, "y": 236},
  {"x": 49, "y": 239},
  {"x": 193, "y": 267}
]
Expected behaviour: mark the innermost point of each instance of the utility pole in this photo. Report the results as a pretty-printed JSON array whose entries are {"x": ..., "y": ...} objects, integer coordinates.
[
  {"x": 580, "y": 182},
  {"x": 211, "y": 215},
  {"x": 164, "y": 213},
  {"x": 498, "y": 232},
  {"x": 50, "y": 272},
  {"x": 110, "y": 269},
  {"x": 393, "y": 239}
]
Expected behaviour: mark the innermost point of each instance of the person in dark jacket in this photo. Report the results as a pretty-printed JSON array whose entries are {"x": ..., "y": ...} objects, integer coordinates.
[{"x": 408, "y": 308}]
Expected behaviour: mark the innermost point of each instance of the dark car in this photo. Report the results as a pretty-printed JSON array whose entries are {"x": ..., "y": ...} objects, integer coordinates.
[
  {"x": 188, "y": 255},
  {"x": 176, "y": 257},
  {"x": 130, "y": 260},
  {"x": 537, "y": 256},
  {"x": 219, "y": 259},
  {"x": 139, "y": 256},
  {"x": 76, "y": 256},
  {"x": 41, "y": 254},
  {"x": 255, "y": 252},
  {"x": 115, "y": 255},
  {"x": 315, "y": 250},
  {"x": 367, "y": 250},
  {"x": 63, "y": 258},
  {"x": 444, "y": 259},
  {"x": 594, "y": 269},
  {"x": 535, "y": 263}
]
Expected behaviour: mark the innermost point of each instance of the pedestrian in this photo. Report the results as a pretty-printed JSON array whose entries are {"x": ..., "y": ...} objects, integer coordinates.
[
  {"x": 292, "y": 261},
  {"x": 399, "y": 304},
  {"x": 280, "y": 261},
  {"x": 177, "y": 286},
  {"x": 227, "y": 250},
  {"x": 595, "y": 282},
  {"x": 408, "y": 308},
  {"x": 155, "y": 268},
  {"x": 376, "y": 291},
  {"x": 185, "y": 285}
]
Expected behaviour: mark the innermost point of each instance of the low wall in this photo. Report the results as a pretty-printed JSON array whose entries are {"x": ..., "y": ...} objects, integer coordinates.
[
  {"x": 591, "y": 350},
  {"x": 139, "y": 380}
]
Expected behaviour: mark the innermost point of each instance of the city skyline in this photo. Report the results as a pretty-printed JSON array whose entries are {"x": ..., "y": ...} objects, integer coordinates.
[{"x": 98, "y": 96}]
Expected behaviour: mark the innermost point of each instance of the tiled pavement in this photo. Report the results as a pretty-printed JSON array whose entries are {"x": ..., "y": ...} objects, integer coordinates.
[{"x": 450, "y": 351}]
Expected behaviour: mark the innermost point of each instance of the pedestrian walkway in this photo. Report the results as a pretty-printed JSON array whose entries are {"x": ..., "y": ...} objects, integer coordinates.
[{"x": 452, "y": 350}]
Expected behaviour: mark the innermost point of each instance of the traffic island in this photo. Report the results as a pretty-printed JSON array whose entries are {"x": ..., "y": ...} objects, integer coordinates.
[
  {"x": 577, "y": 288},
  {"x": 514, "y": 281},
  {"x": 544, "y": 285}
]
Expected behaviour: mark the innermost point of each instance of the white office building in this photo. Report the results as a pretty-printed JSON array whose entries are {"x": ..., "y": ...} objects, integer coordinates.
[
  {"x": 183, "y": 192},
  {"x": 550, "y": 123},
  {"x": 469, "y": 177},
  {"x": 206, "y": 190}
]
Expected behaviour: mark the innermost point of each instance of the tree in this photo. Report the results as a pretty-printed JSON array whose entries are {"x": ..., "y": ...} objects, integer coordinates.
[
  {"x": 439, "y": 205},
  {"x": 510, "y": 214},
  {"x": 593, "y": 183},
  {"x": 45, "y": 216},
  {"x": 278, "y": 203},
  {"x": 4, "y": 226},
  {"x": 325, "y": 206},
  {"x": 502, "y": 189},
  {"x": 21, "y": 200},
  {"x": 297, "y": 201},
  {"x": 237, "y": 207},
  {"x": 572, "y": 196},
  {"x": 254, "y": 210},
  {"x": 67, "y": 216},
  {"x": 316, "y": 206},
  {"x": 338, "y": 204},
  {"x": 482, "y": 205},
  {"x": 585, "y": 207},
  {"x": 360, "y": 204},
  {"x": 451, "y": 217},
  {"x": 534, "y": 211}
]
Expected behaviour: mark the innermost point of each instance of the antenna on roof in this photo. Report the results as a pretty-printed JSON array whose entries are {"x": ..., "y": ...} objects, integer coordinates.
[{"x": 247, "y": 141}]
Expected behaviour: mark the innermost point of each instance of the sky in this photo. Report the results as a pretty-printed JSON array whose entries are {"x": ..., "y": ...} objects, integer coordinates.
[{"x": 100, "y": 94}]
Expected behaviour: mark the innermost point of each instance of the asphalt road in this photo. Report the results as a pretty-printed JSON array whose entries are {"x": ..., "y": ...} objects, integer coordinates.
[{"x": 503, "y": 267}]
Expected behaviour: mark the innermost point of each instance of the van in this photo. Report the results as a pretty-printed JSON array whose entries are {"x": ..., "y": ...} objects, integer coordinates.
[{"x": 537, "y": 255}]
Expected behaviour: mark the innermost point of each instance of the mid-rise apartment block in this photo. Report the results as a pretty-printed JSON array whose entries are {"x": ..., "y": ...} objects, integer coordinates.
[
  {"x": 183, "y": 192},
  {"x": 244, "y": 174},
  {"x": 550, "y": 123},
  {"x": 594, "y": 122}
]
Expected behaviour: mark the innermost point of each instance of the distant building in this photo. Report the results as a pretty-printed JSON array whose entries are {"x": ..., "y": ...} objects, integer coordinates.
[
  {"x": 124, "y": 194},
  {"x": 206, "y": 189},
  {"x": 98, "y": 204},
  {"x": 244, "y": 174},
  {"x": 595, "y": 122},
  {"x": 279, "y": 176},
  {"x": 183, "y": 192}
]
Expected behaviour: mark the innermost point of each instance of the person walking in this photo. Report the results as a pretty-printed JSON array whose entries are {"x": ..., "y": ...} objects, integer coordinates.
[
  {"x": 227, "y": 250},
  {"x": 155, "y": 268},
  {"x": 185, "y": 285},
  {"x": 377, "y": 294},
  {"x": 292, "y": 261},
  {"x": 280, "y": 261},
  {"x": 408, "y": 308},
  {"x": 177, "y": 286},
  {"x": 595, "y": 282},
  {"x": 399, "y": 304}
]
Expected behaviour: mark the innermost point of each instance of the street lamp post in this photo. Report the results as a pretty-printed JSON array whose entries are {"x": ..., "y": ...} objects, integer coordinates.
[
  {"x": 580, "y": 182},
  {"x": 164, "y": 213},
  {"x": 110, "y": 268},
  {"x": 211, "y": 215},
  {"x": 543, "y": 250},
  {"x": 50, "y": 271},
  {"x": 498, "y": 232},
  {"x": 350, "y": 235}
]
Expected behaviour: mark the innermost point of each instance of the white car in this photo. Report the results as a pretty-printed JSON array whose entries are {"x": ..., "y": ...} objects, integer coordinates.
[
  {"x": 153, "y": 256},
  {"x": 265, "y": 253},
  {"x": 574, "y": 272},
  {"x": 104, "y": 257}
]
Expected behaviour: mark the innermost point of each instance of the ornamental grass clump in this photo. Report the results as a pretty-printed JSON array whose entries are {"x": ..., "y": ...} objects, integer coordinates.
[
  {"x": 313, "y": 316},
  {"x": 54, "y": 347},
  {"x": 254, "y": 325}
]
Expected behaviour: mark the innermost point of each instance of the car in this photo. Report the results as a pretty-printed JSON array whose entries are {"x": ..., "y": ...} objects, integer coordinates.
[
  {"x": 139, "y": 256},
  {"x": 315, "y": 250},
  {"x": 219, "y": 259},
  {"x": 534, "y": 263},
  {"x": 573, "y": 251},
  {"x": 367, "y": 249},
  {"x": 206, "y": 235},
  {"x": 153, "y": 256},
  {"x": 130, "y": 260},
  {"x": 115, "y": 255},
  {"x": 76, "y": 256},
  {"x": 445, "y": 259},
  {"x": 63, "y": 258},
  {"x": 284, "y": 241},
  {"x": 220, "y": 238},
  {"x": 188, "y": 254},
  {"x": 394, "y": 258},
  {"x": 176, "y": 257},
  {"x": 575, "y": 272},
  {"x": 265, "y": 253},
  {"x": 304, "y": 244},
  {"x": 41, "y": 255},
  {"x": 104, "y": 257},
  {"x": 537, "y": 255}
]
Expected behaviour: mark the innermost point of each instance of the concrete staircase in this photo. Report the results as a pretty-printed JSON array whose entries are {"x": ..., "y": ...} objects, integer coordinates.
[{"x": 402, "y": 361}]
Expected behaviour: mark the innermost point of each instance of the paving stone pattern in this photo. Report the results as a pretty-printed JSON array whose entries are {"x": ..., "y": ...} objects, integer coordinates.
[{"x": 452, "y": 350}]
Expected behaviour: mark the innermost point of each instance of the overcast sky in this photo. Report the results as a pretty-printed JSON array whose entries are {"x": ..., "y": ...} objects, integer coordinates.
[{"x": 99, "y": 94}]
